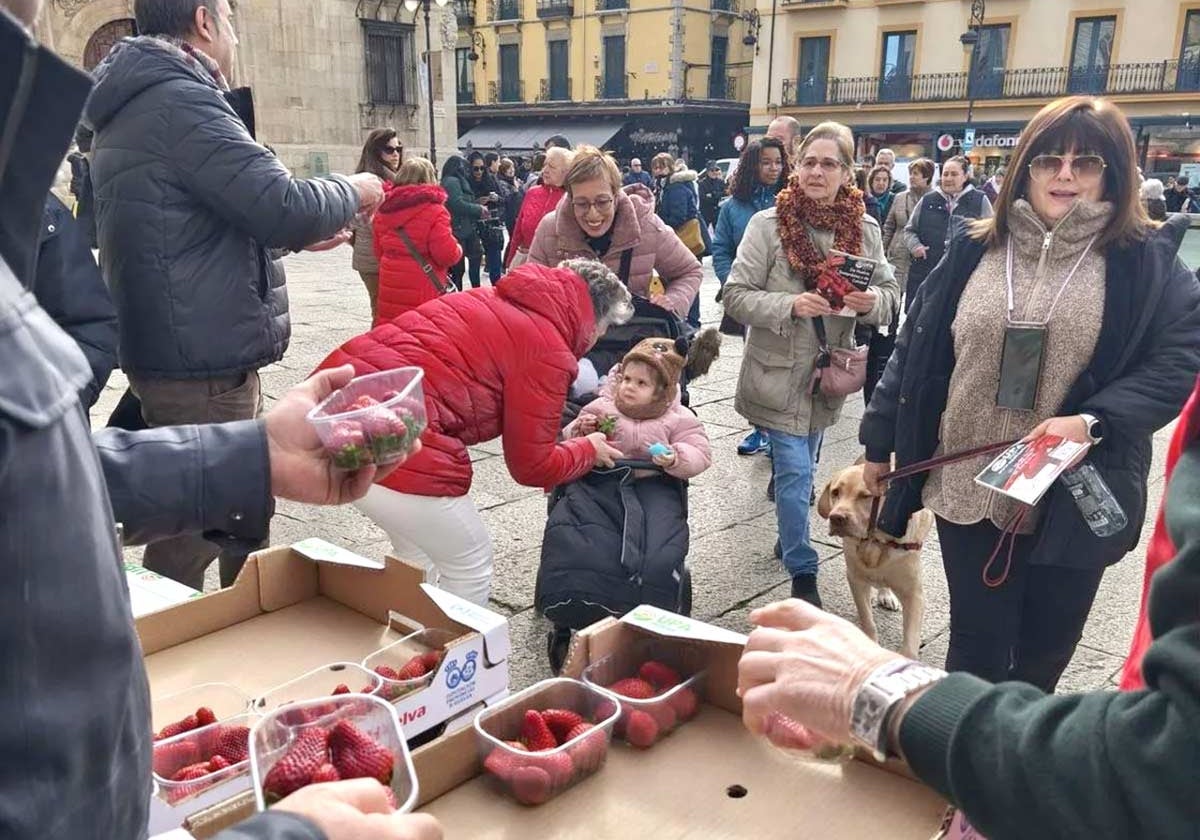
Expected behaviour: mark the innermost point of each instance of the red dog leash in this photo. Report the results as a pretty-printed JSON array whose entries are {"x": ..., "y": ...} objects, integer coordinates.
[{"x": 1009, "y": 532}]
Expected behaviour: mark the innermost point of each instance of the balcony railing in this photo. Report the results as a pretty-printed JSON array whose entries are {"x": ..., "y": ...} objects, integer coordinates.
[
  {"x": 733, "y": 6},
  {"x": 555, "y": 90},
  {"x": 506, "y": 90},
  {"x": 612, "y": 88},
  {"x": 464, "y": 11},
  {"x": 723, "y": 87},
  {"x": 466, "y": 96},
  {"x": 504, "y": 9},
  {"x": 1027, "y": 83},
  {"x": 555, "y": 8},
  {"x": 612, "y": 5}
]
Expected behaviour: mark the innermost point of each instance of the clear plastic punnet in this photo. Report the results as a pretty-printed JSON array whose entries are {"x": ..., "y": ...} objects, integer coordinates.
[{"x": 374, "y": 419}]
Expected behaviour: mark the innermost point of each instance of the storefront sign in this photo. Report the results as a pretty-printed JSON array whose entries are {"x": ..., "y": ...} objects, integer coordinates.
[
  {"x": 653, "y": 138},
  {"x": 972, "y": 140},
  {"x": 739, "y": 142},
  {"x": 945, "y": 143},
  {"x": 968, "y": 141}
]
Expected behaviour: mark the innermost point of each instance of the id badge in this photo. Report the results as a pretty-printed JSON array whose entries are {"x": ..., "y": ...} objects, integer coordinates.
[{"x": 1021, "y": 366}]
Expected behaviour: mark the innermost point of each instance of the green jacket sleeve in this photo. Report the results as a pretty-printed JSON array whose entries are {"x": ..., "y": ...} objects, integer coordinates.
[
  {"x": 1104, "y": 764},
  {"x": 459, "y": 202}
]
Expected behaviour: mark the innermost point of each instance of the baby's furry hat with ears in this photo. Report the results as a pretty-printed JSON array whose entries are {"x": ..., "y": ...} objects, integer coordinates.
[{"x": 705, "y": 349}]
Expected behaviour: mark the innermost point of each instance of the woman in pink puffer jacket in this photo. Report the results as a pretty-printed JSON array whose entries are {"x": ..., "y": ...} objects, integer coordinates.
[
  {"x": 639, "y": 407},
  {"x": 599, "y": 220}
]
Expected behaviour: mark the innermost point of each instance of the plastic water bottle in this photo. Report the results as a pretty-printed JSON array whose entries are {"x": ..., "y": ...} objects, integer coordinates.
[{"x": 1095, "y": 500}]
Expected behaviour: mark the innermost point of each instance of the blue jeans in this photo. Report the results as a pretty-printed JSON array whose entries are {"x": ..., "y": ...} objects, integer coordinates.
[
  {"x": 495, "y": 263},
  {"x": 693, "y": 316},
  {"x": 795, "y": 466}
]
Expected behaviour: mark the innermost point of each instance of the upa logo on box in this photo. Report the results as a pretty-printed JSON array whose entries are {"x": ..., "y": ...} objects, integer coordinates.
[{"x": 455, "y": 675}]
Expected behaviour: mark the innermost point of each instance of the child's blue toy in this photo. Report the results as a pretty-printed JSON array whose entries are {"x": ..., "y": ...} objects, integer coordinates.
[{"x": 659, "y": 449}]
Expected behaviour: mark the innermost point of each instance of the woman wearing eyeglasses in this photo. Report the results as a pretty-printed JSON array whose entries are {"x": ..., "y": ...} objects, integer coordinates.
[
  {"x": 937, "y": 217},
  {"x": 1072, "y": 270},
  {"x": 772, "y": 290},
  {"x": 599, "y": 220},
  {"x": 382, "y": 155}
]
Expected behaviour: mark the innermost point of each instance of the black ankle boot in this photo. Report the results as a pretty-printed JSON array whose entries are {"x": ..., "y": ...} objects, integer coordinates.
[
  {"x": 558, "y": 644},
  {"x": 804, "y": 587}
]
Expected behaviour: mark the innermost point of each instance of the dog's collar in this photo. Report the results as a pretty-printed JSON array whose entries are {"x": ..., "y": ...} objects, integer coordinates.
[{"x": 889, "y": 542}]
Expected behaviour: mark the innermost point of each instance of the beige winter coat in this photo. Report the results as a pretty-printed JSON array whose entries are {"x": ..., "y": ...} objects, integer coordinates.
[
  {"x": 893, "y": 234},
  {"x": 773, "y": 391}
]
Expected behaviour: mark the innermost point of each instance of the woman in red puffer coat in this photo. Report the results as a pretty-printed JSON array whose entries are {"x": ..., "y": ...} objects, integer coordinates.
[
  {"x": 498, "y": 362},
  {"x": 416, "y": 205},
  {"x": 540, "y": 201}
]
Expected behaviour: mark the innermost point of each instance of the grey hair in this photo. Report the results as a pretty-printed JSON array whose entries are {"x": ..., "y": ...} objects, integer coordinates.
[{"x": 610, "y": 299}]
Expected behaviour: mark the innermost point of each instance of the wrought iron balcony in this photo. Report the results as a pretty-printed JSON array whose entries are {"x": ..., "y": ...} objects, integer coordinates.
[
  {"x": 555, "y": 9},
  {"x": 506, "y": 90},
  {"x": 557, "y": 89},
  {"x": 733, "y": 6},
  {"x": 612, "y": 5},
  {"x": 1170, "y": 76},
  {"x": 464, "y": 11},
  {"x": 504, "y": 9},
  {"x": 608, "y": 87}
]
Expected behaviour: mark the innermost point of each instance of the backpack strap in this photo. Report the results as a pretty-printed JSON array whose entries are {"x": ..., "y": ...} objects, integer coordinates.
[
  {"x": 441, "y": 287},
  {"x": 626, "y": 264}
]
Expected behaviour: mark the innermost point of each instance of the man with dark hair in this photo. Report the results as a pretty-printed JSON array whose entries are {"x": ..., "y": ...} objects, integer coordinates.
[
  {"x": 559, "y": 140},
  {"x": 712, "y": 190},
  {"x": 1177, "y": 197},
  {"x": 492, "y": 161},
  {"x": 191, "y": 213}
]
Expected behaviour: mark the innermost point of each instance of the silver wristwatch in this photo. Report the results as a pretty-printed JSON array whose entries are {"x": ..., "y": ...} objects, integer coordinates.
[
  {"x": 1095, "y": 429},
  {"x": 879, "y": 695}
]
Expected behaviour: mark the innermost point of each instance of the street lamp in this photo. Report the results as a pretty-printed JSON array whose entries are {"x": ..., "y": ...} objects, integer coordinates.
[
  {"x": 970, "y": 42},
  {"x": 753, "y": 27},
  {"x": 478, "y": 45},
  {"x": 412, "y": 6}
]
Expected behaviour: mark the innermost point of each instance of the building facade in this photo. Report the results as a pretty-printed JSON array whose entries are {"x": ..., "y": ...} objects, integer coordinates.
[
  {"x": 902, "y": 74},
  {"x": 634, "y": 76},
  {"x": 323, "y": 73}
]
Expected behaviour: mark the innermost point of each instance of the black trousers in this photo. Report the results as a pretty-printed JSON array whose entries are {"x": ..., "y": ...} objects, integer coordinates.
[{"x": 1025, "y": 629}]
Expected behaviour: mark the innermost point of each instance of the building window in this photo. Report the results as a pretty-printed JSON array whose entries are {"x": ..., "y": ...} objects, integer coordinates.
[
  {"x": 464, "y": 76},
  {"x": 614, "y": 68},
  {"x": 510, "y": 73},
  {"x": 1188, "y": 77},
  {"x": 717, "y": 83},
  {"x": 812, "y": 80},
  {"x": 391, "y": 63},
  {"x": 896, "y": 70},
  {"x": 560, "y": 82},
  {"x": 1091, "y": 54},
  {"x": 989, "y": 58},
  {"x": 104, "y": 38}
]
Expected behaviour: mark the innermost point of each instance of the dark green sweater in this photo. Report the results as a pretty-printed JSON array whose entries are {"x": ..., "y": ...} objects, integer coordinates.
[{"x": 1022, "y": 764}]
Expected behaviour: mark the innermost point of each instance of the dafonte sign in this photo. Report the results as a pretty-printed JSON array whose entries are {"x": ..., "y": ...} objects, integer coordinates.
[{"x": 992, "y": 140}]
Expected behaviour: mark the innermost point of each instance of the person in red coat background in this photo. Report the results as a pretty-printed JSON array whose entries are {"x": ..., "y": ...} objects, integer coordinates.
[
  {"x": 540, "y": 201},
  {"x": 416, "y": 205},
  {"x": 497, "y": 361}
]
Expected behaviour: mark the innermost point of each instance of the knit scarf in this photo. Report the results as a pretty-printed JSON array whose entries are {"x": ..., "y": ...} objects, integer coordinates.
[
  {"x": 197, "y": 58},
  {"x": 796, "y": 213}
]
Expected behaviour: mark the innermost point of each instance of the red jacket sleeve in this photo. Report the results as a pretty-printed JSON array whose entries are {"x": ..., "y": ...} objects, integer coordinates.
[
  {"x": 532, "y": 210},
  {"x": 444, "y": 250},
  {"x": 533, "y": 402}
]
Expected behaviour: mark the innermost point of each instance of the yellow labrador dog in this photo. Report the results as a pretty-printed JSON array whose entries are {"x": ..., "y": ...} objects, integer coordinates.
[{"x": 880, "y": 561}]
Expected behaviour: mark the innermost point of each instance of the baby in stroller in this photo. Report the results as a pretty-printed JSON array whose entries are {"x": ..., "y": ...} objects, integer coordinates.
[{"x": 619, "y": 537}]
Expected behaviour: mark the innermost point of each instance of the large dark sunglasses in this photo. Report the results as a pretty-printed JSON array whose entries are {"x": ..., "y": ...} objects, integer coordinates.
[
  {"x": 1083, "y": 167},
  {"x": 393, "y": 150},
  {"x": 476, "y": 168}
]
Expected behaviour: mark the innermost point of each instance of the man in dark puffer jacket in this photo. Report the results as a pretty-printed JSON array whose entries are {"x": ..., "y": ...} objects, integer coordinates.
[{"x": 188, "y": 208}]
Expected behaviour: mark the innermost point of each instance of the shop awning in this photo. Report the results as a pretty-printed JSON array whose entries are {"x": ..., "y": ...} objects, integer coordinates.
[{"x": 527, "y": 135}]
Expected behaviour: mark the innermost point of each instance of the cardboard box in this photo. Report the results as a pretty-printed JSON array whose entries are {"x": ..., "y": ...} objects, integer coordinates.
[
  {"x": 710, "y": 779},
  {"x": 287, "y": 614},
  {"x": 150, "y": 592}
]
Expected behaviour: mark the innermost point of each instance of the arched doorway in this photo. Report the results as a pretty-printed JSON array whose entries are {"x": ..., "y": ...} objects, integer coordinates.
[{"x": 102, "y": 40}]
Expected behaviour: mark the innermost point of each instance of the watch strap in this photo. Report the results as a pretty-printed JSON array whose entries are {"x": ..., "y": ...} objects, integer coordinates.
[{"x": 879, "y": 695}]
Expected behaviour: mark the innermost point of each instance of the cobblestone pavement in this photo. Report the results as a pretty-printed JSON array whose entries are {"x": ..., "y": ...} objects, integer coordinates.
[{"x": 733, "y": 524}]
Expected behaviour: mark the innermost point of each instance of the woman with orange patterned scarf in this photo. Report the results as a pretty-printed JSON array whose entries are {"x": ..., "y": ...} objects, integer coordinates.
[{"x": 772, "y": 290}]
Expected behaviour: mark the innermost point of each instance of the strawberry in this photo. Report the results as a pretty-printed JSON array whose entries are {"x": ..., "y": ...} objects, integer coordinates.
[
  {"x": 634, "y": 688},
  {"x": 558, "y": 765},
  {"x": 535, "y": 733},
  {"x": 530, "y": 785},
  {"x": 298, "y": 764},
  {"x": 413, "y": 669},
  {"x": 664, "y": 715},
  {"x": 191, "y": 773},
  {"x": 661, "y": 676},
  {"x": 178, "y": 728},
  {"x": 366, "y": 689},
  {"x": 365, "y": 401},
  {"x": 589, "y": 753},
  {"x": 607, "y": 424},
  {"x": 357, "y": 755},
  {"x": 392, "y": 800},
  {"x": 340, "y": 688},
  {"x": 500, "y": 763},
  {"x": 348, "y": 445},
  {"x": 560, "y": 722},
  {"x": 169, "y": 759},
  {"x": 205, "y": 716},
  {"x": 326, "y": 773},
  {"x": 386, "y": 672},
  {"x": 218, "y": 763},
  {"x": 604, "y": 710},
  {"x": 431, "y": 659},
  {"x": 685, "y": 703},
  {"x": 235, "y": 743},
  {"x": 641, "y": 730},
  {"x": 517, "y": 745}
]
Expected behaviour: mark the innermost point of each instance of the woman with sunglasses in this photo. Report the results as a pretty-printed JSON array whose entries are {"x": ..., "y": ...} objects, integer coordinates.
[
  {"x": 1073, "y": 273},
  {"x": 381, "y": 155},
  {"x": 937, "y": 217}
]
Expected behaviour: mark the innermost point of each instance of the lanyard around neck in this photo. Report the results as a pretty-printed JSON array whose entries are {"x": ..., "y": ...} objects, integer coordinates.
[{"x": 1008, "y": 276}]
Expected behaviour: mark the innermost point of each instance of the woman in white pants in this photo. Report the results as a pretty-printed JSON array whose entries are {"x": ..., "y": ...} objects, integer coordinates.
[{"x": 498, "y": 362}]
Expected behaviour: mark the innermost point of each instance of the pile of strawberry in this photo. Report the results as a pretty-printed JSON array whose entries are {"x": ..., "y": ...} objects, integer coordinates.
[
  {"x": 329, "y": 754},
  {"x": 420, "y": 665},
  {"x": 531, "y": 771},
  {"x": 643, "y": 723},
  {"x": 380, "y": 436},
  {"x": 196, "y": 757}
]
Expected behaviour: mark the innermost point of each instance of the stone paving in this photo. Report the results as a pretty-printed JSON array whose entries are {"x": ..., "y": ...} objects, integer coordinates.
[{"x": 733, "y": 524}]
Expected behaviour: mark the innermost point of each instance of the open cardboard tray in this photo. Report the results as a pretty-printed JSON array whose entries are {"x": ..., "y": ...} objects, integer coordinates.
[
  {"x": 288, "y": 613},
  {"x": 687, "y": 786}
]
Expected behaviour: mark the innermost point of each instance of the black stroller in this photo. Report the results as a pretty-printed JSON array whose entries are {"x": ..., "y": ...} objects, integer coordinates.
[{"x": 619, "y": 537}]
